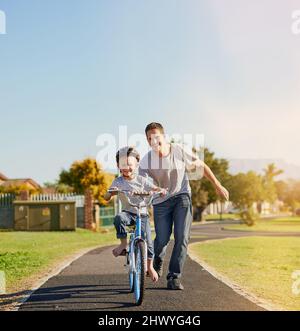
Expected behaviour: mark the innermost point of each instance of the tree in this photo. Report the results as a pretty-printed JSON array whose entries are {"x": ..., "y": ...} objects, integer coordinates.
[
  {"x": 246, "y": 189},
  {"x": 289, "y": 193},
  {"x": 87, "y": 174},
  {"x": 203, "y": 192},
  {"x": 282, "y": 188},
  {"x": 199, "y": 199},
  {"x": 270, "y": 192},
  {"x": 58, "y": 187}
]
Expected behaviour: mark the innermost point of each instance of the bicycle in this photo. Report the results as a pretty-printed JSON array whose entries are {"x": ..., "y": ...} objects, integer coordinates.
[{"x": 136, "y": 255}]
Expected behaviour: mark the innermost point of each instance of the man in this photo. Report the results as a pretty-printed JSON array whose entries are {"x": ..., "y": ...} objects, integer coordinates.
[{"x": 168, "y": 165}]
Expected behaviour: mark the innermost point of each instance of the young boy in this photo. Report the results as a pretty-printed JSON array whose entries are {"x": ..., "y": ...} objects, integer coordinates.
[{"x": 127, "y": 161}]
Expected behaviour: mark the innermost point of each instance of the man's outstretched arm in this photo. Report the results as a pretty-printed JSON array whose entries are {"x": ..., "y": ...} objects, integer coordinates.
[{"x": 221, "y": 190}]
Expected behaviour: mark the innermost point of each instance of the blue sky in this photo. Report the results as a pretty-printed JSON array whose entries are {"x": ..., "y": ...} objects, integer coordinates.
[{"x": 72, "y": 69}]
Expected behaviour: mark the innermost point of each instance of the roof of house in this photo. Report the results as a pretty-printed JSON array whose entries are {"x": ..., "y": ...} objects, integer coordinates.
[
  {"x": 3, "y": 177},
  {"x": 49, "y": 190},
  {"x": 21, "y": 181}
]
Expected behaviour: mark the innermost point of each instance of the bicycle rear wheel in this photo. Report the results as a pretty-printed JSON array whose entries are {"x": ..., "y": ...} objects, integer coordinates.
[{"x": 139, "y": 276}]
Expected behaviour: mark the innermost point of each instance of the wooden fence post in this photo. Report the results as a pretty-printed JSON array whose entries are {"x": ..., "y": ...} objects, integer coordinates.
[
  {"x": 97, "y": 217},
  {"x": 24, "y": 195}
]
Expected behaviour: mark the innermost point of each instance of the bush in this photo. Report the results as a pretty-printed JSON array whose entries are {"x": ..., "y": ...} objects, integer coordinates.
[{"x": 249, "y": 216}]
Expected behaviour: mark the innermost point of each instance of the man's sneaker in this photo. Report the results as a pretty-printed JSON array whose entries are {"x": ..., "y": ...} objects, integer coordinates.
[
  {"x": 158, "y": 266},
  {"x": 174, "y": 284}
]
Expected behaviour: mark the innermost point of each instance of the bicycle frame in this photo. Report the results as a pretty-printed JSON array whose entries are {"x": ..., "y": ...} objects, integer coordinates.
[{"x": 135, "y": 236}]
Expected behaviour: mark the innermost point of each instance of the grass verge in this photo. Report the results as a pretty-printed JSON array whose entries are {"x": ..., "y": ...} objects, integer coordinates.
[
  {"x": 284, "y": 224},
  {"x": 25, "y": 254},
  {"x": 261, "y": 265},
  {"x": 217, "y": 217}
]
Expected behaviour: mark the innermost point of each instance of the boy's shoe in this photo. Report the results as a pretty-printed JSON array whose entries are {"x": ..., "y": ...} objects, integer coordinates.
[
  {"x": 174, "y": 284},
  {"x": 123, "y": 253},
  {"x": 158, "y": 266}
]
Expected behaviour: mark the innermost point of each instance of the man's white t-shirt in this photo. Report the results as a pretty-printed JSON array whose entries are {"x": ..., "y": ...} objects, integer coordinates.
[{"x": 169, "y": 172}]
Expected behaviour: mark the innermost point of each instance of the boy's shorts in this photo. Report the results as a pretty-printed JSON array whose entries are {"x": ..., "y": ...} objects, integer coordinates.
[{"x": 124, "y": 219}]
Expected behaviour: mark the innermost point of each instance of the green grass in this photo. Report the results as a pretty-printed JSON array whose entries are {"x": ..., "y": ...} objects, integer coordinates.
[
  {"x": 262, "y": 265},
  {"x": 26, "y": 254},
  {"x": 216, "y": 217},
  {"x": 284, "y": 224}
]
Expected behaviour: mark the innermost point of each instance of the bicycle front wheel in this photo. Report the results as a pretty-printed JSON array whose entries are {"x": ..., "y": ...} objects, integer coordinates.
[
  {"x": 131, "y": 277},
  {"x": 139, "y": 276}
]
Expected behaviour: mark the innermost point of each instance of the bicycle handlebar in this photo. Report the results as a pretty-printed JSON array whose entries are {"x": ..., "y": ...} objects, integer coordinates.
[{"x": 139, "y": 194}]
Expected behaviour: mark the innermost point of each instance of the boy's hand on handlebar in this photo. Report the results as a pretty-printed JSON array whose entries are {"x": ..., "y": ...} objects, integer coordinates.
[{"x": 113, "y": 190}]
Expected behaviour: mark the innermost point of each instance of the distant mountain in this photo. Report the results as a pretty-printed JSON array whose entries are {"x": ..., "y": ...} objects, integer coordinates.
[{"x": 257, "y": 165}]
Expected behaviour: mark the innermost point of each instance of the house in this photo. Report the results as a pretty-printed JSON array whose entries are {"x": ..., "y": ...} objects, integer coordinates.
[
  {"x": 267, "y": 208},
  {"x": 49, "y": 190},
  {"x": 27, "y": 183},
  {"x": 2, "y": 178}
]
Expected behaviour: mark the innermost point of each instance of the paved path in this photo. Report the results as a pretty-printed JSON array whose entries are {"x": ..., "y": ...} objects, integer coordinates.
[{"x": 98, "y": 281}]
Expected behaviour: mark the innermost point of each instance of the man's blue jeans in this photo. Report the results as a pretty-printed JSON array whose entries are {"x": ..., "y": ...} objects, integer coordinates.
[{"x": 176, "y": 210}]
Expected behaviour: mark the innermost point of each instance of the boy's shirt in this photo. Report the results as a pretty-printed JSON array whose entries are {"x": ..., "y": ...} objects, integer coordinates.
[{"x": 139, "y": 183}]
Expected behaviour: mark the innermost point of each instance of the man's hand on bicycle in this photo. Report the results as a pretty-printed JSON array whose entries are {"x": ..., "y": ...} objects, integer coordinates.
[
  {"x": 158, "y": 191},
  {"x": 161, "y": 191}
]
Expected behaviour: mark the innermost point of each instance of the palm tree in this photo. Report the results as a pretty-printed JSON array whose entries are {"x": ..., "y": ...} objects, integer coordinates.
[{"x": 271, "y": 171}]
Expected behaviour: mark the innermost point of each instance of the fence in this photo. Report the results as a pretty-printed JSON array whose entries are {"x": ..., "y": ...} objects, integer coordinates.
[
  {"x": 107, "y": 215},
  {"x": 79, "y": 199},
  {"x": 6, "y": 199},
  {"x": 6, "y": 210}
]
